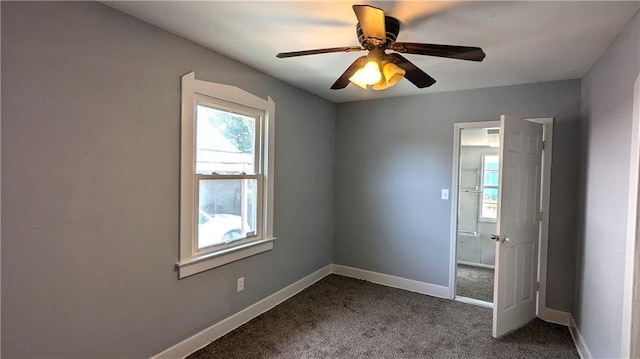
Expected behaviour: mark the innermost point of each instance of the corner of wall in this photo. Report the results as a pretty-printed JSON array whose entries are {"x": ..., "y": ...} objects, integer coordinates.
[{"x": 578, "y": 340}]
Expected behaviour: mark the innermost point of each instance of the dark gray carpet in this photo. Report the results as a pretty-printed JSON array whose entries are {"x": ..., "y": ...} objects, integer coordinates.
[
  {"x": 475, "y": 282},
  {"x": 340, "y": 317}
]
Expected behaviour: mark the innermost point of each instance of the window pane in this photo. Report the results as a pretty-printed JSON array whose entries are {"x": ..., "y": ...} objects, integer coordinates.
[
  {"x": 490, "y": 178},
  {"x": 227, "y": 211},
  {"x": 225, "y": 142},
  {"x": 491, "y": 163},
  {"x": 489, "y": 210},
  {"x": 490, "y": 195}
]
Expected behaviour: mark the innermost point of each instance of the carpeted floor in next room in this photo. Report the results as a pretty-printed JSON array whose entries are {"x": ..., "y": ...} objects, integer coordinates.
[
  {"x": 341, "y": 317},
  {"x": 475, "y": 282}
]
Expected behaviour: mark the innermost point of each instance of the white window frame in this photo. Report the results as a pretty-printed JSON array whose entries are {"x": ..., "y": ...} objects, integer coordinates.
[
  {"x": 196, "y": 92},
  {"x": 482, "y": 187}
]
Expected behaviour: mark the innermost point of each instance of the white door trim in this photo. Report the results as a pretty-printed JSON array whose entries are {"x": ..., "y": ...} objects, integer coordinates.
[
  {"x": 631, "y": 300},
  {"x": 543, "y": 312}
]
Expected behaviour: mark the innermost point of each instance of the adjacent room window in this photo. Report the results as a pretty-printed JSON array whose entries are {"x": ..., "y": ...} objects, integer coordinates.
[
  {"x": 490, "y": 179},
  {"x": 226, "y": 178}
]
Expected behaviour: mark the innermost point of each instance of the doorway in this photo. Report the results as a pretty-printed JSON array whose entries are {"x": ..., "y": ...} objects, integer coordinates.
[
  {"x": 478, "y": 169},
  {"x": 483, "y": 247}
]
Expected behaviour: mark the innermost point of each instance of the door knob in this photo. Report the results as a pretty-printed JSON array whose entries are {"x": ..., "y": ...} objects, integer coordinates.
[{"x": 497, "y": 238}]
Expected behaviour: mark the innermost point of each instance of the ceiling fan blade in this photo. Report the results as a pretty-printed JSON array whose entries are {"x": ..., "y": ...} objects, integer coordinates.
[
  {"x": 371, "y": 21},
  {"x": 450, "y": 51},
  {"x": 343, "y": 80},
  {"x": 283, "y": 55},
  {"x": 413, "y": 73}
]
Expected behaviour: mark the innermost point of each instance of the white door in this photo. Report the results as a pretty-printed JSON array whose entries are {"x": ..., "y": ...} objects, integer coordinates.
[{"x": 515, "y": 286}]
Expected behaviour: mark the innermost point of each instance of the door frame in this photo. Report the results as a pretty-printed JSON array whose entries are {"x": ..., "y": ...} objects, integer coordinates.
[
  {"x": 542, "y": 311},
  {"x": 631, "y": 300}
]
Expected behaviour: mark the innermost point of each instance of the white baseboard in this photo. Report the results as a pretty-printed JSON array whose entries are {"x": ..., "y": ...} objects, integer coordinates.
[
  {"x": 223, "y": 327},
  {"x": 555, "y": 316},
  {"x": 474, "y": 264},
  {"x": 392, "y": 281},
  {"x": 578, "y": 340},
  {"x": 479, "y": 303}
]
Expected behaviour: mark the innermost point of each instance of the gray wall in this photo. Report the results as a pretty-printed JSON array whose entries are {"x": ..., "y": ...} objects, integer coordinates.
[
  {"x": 607, "y": 108},
  {"x": 90, "y": 162},
  {"x": 394, "y": 155},
  {"x": 90, "y": 186}
]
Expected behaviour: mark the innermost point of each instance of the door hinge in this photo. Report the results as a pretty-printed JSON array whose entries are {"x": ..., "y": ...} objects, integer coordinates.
[
  {"x": 538, "y": 286},
  {"x": 544, "y": 144},
  {"x": 540, "y": 216}
]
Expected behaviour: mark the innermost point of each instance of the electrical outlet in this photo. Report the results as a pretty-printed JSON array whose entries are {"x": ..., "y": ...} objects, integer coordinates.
[
  {"x": 240, "y": 284},
  {"x": 444, "y": 194}
]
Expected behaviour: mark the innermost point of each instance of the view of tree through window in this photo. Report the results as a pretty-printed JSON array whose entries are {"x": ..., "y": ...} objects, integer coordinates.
[
  {"x": 225, "y": 141},
  {"x": 225, "y": 146},
  {"x": 238, "y": 129}
]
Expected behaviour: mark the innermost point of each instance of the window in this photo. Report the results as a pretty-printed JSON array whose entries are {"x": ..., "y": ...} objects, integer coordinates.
[
  {"x": 226, "y": 189},
  {"x": 490, "y": 174}
]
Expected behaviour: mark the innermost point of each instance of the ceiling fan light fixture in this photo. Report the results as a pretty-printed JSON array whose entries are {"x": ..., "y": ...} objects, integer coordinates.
[
  {"x": 391, "y": 74},
  {"x": 377, "y": 33},
  {"x": 369, "y": 74}
]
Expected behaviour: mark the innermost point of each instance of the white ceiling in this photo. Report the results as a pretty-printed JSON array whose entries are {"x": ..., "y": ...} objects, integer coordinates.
[
  {"x": 525, "y": 41},
  {"x": 475, "y": 137}
]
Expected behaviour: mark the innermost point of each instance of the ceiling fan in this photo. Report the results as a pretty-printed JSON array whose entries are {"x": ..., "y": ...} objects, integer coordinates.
[{"x": 379, "y": 69}]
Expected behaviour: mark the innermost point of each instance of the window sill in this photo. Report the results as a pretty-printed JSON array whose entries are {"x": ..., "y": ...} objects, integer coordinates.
[
  {"x": 488, "y": 220},
  {"x": 202, "y": 263}
]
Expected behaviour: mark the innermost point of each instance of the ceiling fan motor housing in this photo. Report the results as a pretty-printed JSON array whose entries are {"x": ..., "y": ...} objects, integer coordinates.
[{"x": 392, "y": 28}]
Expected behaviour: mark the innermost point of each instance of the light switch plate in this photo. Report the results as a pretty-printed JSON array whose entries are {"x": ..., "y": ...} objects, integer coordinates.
[{"x": 445, "y": 194}]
